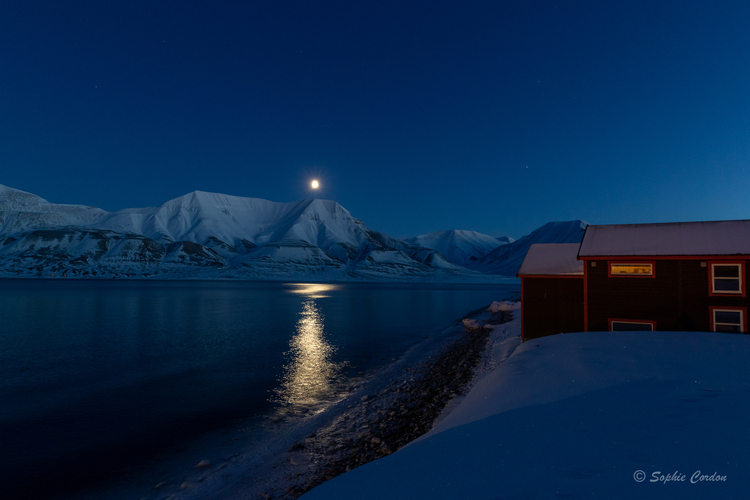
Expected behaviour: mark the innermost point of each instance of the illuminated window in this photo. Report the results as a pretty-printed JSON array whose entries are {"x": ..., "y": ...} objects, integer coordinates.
[
  {"x": 625, "y": 325},
  {"x": 631, "y": 269},
  {"x": 728, "y": 320},
  {"x": 726, "y": 278}
]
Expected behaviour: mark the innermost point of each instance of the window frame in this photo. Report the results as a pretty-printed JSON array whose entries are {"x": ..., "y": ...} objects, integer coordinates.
[
  {"x": 652, "y": 323},
  {"x": 652, "y": 263},
  {"x": 724, "y": 293},
  {"x": 743, "y": 317}
]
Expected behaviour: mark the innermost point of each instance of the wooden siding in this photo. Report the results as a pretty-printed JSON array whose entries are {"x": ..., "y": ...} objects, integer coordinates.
[
  {"x": 551, "y": 306},
  {"x": 676, "y": 297}
]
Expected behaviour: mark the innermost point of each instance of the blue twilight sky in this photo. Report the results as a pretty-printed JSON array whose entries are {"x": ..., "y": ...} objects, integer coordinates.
[{"x": 495, "y": 116}]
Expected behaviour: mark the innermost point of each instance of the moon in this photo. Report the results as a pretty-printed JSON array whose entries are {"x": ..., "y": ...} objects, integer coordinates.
[{"x": 315, "y": 184}]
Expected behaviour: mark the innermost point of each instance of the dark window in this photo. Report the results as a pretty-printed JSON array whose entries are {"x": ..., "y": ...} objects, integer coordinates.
[
  {"x": 726, "y": 278},
  {"x": 727, "y": 320}
]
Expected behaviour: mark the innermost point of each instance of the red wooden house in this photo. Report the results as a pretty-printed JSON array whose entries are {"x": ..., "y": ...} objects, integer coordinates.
[
  {"x": 688, "y": 276},
  {"x": 551, "y": 290}
]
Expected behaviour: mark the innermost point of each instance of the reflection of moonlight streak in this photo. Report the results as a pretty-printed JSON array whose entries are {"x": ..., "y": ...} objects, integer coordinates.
[
  {"x": 309, "y": 376},
  {"x": 313, "y": 290}
]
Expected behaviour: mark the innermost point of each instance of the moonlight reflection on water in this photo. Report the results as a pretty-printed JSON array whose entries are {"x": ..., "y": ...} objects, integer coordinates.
[
  {"x": 309, "y": 376},
  {"x": 313, "y": 290}
]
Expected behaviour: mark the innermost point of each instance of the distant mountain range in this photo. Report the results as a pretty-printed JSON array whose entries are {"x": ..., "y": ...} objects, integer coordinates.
[
  {"x": 462, "y": 248},
  {"x": 507, "y": 259},
  {"x": 209, "y": 235}
]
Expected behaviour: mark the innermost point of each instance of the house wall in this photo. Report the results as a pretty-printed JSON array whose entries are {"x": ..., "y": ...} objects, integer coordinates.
[
  {"x": 676, "y": 297},
  {"x": 551, "y": 305}
]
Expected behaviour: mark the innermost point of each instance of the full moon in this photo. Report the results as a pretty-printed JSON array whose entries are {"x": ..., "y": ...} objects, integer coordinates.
[{"x": 315, "y": 184}]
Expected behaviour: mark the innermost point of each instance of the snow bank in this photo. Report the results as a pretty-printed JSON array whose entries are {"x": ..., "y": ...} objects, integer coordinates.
[{"x": 584, "y": 415}]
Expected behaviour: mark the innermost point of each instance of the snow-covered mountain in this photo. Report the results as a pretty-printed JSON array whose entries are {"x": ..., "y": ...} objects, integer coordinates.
[
  {"x": 506, "y": 260},
  {"x": 206, "y": 235},
  {"x": 505, "y": 239},
  {"x": 460, "y": 247},
  {"x": 22, "y": 211}
]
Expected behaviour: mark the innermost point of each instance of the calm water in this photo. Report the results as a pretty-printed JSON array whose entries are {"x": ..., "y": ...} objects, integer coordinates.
[{"x": 97, "y": 374}]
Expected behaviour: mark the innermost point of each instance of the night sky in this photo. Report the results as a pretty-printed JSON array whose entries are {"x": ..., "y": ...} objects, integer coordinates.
[{"x": 495, "y": 116}]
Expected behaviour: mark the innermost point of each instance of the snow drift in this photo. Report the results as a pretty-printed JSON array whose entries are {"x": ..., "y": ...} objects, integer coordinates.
[{"x": 584, "y": 415}]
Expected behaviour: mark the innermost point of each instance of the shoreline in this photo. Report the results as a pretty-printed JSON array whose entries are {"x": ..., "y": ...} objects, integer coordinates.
[
  {"x": 394, "y": 416},
  {"x": 484, "y": 279},
  {"x": 384, "y": 419},
  {"x": 373, "y": 417}
]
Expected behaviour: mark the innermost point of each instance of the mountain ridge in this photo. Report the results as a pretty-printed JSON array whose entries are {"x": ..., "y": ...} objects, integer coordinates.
[
  {"x": 229, "y": 236},
  {"x": 214, "y": 236},
  {"x": 461, "y": 247},
  {"x": 506, "y": 260}
]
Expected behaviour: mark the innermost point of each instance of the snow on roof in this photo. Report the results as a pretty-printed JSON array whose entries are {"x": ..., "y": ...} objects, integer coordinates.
[
  {"x": 552, "y": 258},
  {"x": 678, "y": 238}
]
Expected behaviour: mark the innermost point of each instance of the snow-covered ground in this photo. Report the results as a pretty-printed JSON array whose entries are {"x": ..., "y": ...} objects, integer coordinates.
[{"x": 584, "y": 415}]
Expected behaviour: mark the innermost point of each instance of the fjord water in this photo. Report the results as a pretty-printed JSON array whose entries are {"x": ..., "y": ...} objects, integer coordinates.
[{"x": 98, "y": 375}]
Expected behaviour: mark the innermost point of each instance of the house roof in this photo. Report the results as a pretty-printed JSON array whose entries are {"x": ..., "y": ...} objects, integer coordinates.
[
  {"x": 552, "y": 259},
  {"x": 679, "y": 238}
]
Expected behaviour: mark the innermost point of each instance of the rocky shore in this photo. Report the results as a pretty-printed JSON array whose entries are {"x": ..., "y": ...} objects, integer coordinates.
[{"x": 387, "y": 420}]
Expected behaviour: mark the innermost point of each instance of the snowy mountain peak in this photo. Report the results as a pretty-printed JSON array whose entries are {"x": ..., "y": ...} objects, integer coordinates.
[
  {"x": 20, "y": 211},
  {"x": 506, "y": 260},
  {"x": 460, "y": 247},
  {"x": 209, "y": 200},
  {"x": 327, "y": 206},
  {"x": 15, "y": 199}
]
